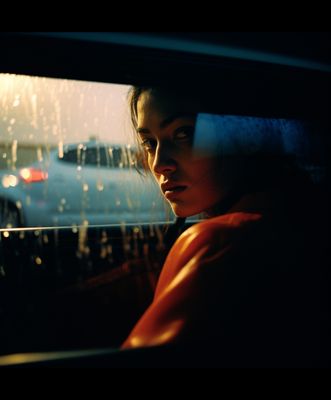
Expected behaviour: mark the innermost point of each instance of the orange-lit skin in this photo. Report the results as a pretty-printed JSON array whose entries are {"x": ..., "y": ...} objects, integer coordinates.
[{"x": 171, "y": 157}]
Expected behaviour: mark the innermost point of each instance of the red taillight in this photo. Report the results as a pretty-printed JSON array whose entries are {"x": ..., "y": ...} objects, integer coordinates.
[{"x": 30, "y": 175}]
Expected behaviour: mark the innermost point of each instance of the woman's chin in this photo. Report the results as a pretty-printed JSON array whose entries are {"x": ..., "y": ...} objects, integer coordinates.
[{"x": 182, "y": 212}]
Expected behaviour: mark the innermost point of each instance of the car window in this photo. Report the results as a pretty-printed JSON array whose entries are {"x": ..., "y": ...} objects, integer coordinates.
[
  {"x": 57, "y": 136},
  {"x": 72, "y": 203}
]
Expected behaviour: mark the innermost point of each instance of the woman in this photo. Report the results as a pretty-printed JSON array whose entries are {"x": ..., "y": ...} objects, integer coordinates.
[{"x": 239, "y": 284}]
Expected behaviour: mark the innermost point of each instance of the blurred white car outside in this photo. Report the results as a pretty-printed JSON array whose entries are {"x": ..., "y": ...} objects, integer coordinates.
[{"x": 88, "y": 183}]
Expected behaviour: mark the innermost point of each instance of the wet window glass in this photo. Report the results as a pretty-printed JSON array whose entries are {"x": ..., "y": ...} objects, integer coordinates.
[
  {"x": 76, "y": 215},
  {"x": 68, "y": 156}
]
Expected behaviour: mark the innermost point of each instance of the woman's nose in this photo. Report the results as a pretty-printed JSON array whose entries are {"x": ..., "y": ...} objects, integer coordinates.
[{"x": 164, "y": 162}]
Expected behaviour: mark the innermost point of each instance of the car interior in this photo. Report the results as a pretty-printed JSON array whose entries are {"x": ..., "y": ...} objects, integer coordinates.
[{"x": 69, "y": 295}]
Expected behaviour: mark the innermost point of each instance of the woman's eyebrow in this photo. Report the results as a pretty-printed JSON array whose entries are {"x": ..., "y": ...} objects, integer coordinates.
[{"x": 167, "y": 121}]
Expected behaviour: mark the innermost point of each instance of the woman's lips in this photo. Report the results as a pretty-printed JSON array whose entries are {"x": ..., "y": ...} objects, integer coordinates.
[{"x": 174, "y": 192}]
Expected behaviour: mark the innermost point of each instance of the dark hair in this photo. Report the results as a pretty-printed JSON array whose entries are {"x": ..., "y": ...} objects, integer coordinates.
[
  {"x": 133, "y": 95},
  {"x": 187, "y": 92}
]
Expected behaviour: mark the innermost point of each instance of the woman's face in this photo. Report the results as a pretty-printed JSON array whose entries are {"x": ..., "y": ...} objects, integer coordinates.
[{"x": 187, "y": 179}]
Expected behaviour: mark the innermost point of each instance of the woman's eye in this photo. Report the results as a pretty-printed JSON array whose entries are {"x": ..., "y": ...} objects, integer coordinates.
[
  {"x": 184, "y": 133},
  {"x": 148, "y": 144}
]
